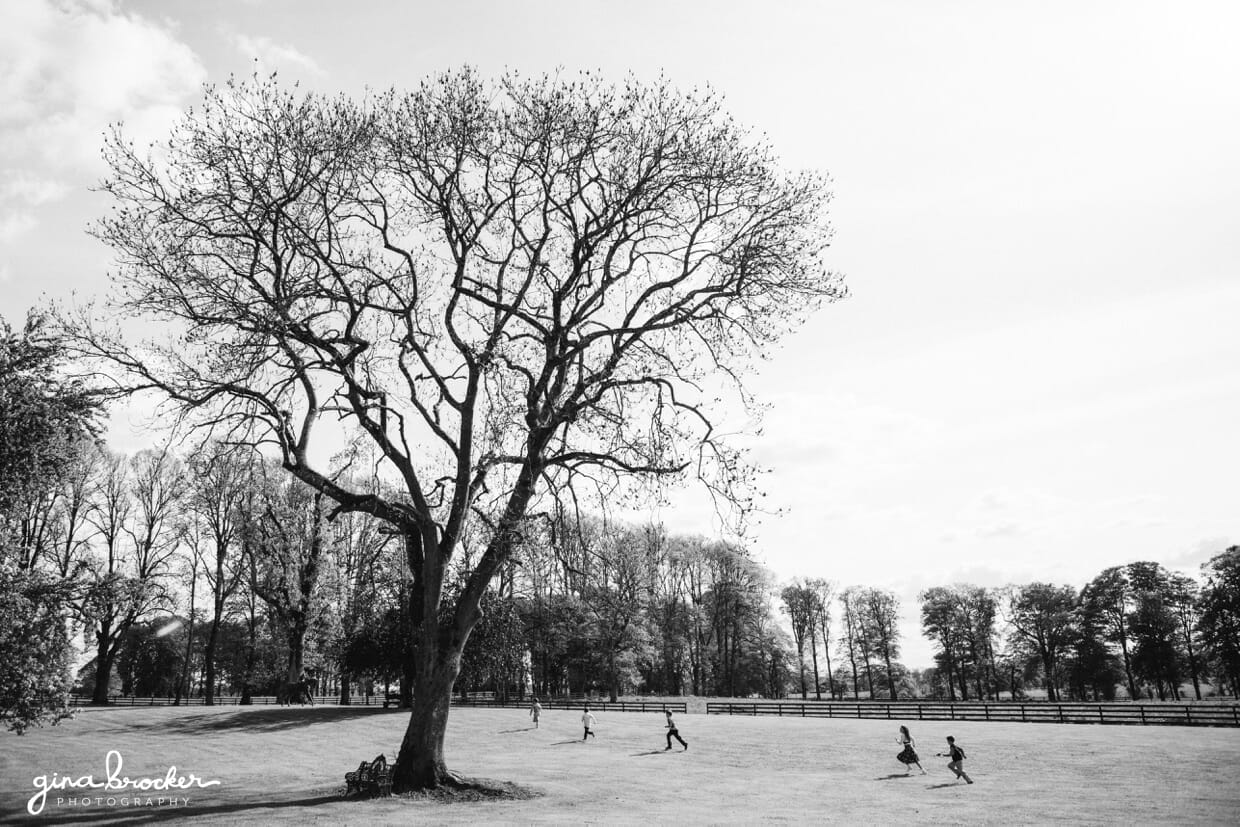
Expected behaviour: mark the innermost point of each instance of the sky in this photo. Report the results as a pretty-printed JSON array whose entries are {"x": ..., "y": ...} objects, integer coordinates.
[{"x": 1036, "y": 209}]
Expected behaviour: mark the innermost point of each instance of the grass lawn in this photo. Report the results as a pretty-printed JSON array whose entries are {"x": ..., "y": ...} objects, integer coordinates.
[{"x": 288, "y": 764}]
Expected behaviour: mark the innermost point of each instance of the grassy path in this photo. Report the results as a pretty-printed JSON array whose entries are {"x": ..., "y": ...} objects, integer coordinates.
[{"x": 288, "y": 765}]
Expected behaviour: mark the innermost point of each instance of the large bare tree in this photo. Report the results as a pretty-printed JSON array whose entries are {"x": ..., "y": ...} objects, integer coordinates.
[{"x": 513, "y": 289}]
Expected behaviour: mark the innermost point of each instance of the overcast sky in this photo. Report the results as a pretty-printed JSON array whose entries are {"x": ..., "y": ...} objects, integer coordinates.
[{"x": 1037, "y": 208}]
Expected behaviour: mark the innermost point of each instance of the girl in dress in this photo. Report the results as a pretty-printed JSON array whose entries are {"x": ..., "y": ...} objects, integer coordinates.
[{"x": 908, "y": 755}]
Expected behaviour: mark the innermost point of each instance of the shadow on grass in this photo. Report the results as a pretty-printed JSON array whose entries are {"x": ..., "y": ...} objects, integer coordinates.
[
  {"x": 526, "y": 729},
  {"x": 942, "y": 786},
  {"x": 893, "y": 775},
  {"x": 652, "y": 752},
  {"x": 261, "y": 720},
  {"x": 573, "y": 741},
  {"x": 149, "y": 815}
]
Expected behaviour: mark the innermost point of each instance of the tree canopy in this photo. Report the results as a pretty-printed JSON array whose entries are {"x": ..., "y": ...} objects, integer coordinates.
[{"x": 510, "y": 290}]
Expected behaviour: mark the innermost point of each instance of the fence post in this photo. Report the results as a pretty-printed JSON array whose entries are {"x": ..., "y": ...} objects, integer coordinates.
[
  {"x": 986, "y": 709},
  {"x": 919, "y": 712},
  {"x": 1142, "y": 710},
  {"x": 1061, "y": 713},
  {"x": 1022, "y": 713},
  {"x": 1188, "y": 714},
  {"x": 1101, "y": 719}
]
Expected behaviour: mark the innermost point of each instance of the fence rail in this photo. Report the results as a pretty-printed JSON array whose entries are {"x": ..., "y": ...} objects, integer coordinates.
[
  {"x": 378, "y": 700},
  {"x": 1057, "y": 713},
  {"x": 601, "y": 706},
  {"x": 222, "y": 700}
]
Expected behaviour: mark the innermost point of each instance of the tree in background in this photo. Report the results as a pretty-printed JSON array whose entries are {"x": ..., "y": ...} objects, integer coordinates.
[
  {"x": 1043, "y": 623},
  {"x": 798, "y": 603},
  {"x": 880, "y": 616},
  {"x": 941, "y": 623},
  {"x": 1220, "y": 615},
  {"x": 1109, "y": 601},
  {"x": 824, "y": 594},
  {"x": 47, "y": 425},
  {"x": 217, "y": 494},
  {"x": 34, "y": 648},
  {"x": 1183, "y": 600},
  {"x": 852, "y": 637},
  {"x": 285, "y": 540}
]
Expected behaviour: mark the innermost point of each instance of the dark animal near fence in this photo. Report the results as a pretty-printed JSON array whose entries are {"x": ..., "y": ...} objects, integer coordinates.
[{"x": 299, "y": 692}]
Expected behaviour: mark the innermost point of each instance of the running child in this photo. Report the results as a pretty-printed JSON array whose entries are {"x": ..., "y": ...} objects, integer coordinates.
[
  {"x": 908, "y": 755},
  {"x": 587, "y": 721},
  {"x": 535, "y": 711},
  {"x": 957, "y": 755},
  {"x": 672, "y": 731}
]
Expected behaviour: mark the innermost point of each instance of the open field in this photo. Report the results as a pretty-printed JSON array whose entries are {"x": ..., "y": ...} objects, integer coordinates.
[{"x": 288, "y": 764}]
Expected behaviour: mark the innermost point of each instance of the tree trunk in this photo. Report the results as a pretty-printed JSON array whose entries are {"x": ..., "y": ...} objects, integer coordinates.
[
  {"x": 1048, "y": 665},
  {"x": 949, "y": 659},
  {"x": 813, "y": 651},
  {"x": 420, "y": 762},
  {"x": 103, "y": 666},
  {"x": 296, "y": 650},
  {"x": 183, "y": 682},
  {"x": 891, "y": 680},
  {"x": 613, "y": 677},
  {"x": 801, "y": 671},
  {"x": 208, "y": 657}
]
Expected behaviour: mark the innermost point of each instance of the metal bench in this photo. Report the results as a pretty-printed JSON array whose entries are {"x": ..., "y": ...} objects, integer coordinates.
[{"x": 374, "y": 777}]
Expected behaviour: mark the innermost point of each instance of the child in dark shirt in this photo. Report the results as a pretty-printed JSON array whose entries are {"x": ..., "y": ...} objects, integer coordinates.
[{"x": 957, "y": 755}]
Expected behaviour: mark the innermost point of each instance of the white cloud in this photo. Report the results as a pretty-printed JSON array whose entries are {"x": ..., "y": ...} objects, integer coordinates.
[
  {"x": 68, "y": 70},
  {"x": 14, "y": 223},
  {"x": 272, "y": 56}
]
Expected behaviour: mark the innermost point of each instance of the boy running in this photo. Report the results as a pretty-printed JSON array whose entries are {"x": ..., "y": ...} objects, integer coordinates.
[
  {"x": 671, "y": 730},
  {"x": 587, "y": 721},
  {"x": 957, "y": 763}
]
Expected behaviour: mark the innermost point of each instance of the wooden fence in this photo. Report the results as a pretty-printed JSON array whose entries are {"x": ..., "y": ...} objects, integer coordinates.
[
  {"x": 220, "y": 700},
  {"x": 600, "y": 706},
  {"x": 1226, "y": 715},
  {"x": 378, "y": 700}
]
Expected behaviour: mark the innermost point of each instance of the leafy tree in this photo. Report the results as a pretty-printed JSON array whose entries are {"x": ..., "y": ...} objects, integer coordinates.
[
  {"x": 149, "y": 658},
  {"x": 1220, "y": 614},
  {"x": 824, "y": 594},
  {"x": 285, "y": 538},
  {"x": 47, "y": 428},
  {"x": 34, "y": 649},
  {"x": 1091, "y": 668},
  {"x": 1109, "y": 601},
  {"x": 217, "y": 494},
  {"x": 512, "y": 289},
  {"x": 798, "y": 602},
  {"x": 43, "y": 419},
  {"x": 852, "y": 637},
  {"x": 880, "y": 616},
  {"x": 1183, "y": 600},
  {"x": 126, "y": 580},
  {"x": 941, "y": 623},
  {"x": 1043, "y": 622},
  {"x": 494, "y": 654}
]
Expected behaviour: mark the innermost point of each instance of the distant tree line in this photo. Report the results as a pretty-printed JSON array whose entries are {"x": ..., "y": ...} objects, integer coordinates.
[
  {"x": 1137, "y": 629},
  {"x": 207, "y": 571}
]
